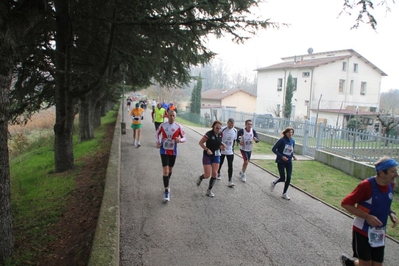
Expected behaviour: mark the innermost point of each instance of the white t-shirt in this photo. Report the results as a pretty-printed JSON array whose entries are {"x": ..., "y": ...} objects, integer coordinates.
[
  {"x": 248, "y": 139},
  {"x": 229, "y": 135}
]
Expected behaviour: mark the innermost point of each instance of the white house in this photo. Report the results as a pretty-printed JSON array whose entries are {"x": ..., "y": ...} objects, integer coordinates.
[{"x": 330, "y": 87}]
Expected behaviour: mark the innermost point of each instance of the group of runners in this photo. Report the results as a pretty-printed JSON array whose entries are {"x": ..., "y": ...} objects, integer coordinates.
[{"x": 370, "y": 202}]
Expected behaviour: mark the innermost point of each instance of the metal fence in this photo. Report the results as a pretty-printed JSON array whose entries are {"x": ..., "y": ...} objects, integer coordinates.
[{"x": 363, "y": 146}]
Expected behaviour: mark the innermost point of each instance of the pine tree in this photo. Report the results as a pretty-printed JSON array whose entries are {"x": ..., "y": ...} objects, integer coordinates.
[
  {"x": 195, "y": 106},
  {"x": 288, "y": 97}
]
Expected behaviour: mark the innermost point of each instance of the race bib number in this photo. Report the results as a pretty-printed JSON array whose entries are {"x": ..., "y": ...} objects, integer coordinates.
[
  {"x": 217, "y": 153},
  {"x": 376, "y": 236},
  {"x": 229, "y": 143},
  {"x": 169, "y": 144},
  {"x": 288, "y": 149}
]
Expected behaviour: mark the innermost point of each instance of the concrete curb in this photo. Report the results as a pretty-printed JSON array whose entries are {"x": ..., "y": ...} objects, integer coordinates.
[{"x": 105, "y": 249}]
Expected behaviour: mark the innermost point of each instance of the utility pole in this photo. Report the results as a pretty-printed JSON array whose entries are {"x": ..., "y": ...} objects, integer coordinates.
[{"x": 317, "y": 115}]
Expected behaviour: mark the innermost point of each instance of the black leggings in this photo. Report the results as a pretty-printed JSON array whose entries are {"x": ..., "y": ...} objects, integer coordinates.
[
  {"x": 230, "y": 159},
  {"x": 282, "y": 168}
]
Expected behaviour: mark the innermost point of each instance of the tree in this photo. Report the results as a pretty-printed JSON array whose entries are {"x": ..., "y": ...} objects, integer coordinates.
[
  {"x": 195, "y": 105},
  {"x": 388, "y": 123},
  {"x": 389, "y": 101},
  {"x": 355, "y": 124},
  {"x": 288, "y": 97},
  {"x": 13, "y": 29},
  {"x": 363, "y": 7}
]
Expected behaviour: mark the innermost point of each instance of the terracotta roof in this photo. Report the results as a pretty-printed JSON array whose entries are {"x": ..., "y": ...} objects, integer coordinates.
[
  {"x": 315, "y": 62},
  {"x": 305, "y": 63},
  {"x": 216, "y": 94}
]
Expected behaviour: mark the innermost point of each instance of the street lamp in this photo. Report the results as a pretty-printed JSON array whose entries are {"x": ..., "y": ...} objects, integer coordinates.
[{"x": 123, "y": 68}]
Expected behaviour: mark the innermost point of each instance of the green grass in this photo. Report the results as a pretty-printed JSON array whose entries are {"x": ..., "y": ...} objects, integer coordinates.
[
  {"x": 186, "y": 122},
  {"x": 39, "y": 196},
  {"x": 320, "y": 180}
]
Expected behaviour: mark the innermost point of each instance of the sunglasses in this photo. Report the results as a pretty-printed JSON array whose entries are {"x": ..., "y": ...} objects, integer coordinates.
[{"x": 218, "y": 127}]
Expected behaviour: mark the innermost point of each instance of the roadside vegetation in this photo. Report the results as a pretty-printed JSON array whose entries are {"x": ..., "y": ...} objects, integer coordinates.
[
  {"x": 41, "y": 198},
  {"x": 317, "y": 179}
]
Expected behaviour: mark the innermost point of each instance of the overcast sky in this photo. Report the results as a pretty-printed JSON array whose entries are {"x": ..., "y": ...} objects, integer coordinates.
[{"x": 316, "y": 24}]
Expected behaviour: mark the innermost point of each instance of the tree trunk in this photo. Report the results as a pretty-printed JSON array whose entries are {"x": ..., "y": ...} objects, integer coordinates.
[
  {"x": 86, "y": 129},
  {"x": 6, "y": 236},
  {"x": 104, "y": 107},
  {"x": 63, "y": 128},
  {"x": 97, "y": 115}
]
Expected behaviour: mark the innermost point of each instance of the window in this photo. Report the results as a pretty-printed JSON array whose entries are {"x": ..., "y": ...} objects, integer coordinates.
[
  {"x": 351, "y": 87},
  {"x": 295, "y": 81},
  {"x": 343, "y": 66},
  {"x": 279, "y": 84},
  {"x": 373, "y": 109},
  {"x": 305, "y": 74},
  {"x": 363, "y": 88},
  {"x": 355, "y": 68},
  {"x": 341, "y": 85}
]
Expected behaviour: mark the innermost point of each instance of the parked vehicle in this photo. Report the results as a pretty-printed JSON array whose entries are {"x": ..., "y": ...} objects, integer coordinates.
[{"x": 264, "y": 121}]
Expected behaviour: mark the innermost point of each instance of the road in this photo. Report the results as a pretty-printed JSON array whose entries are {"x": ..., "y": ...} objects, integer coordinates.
[{"x": 244, "y": 225}]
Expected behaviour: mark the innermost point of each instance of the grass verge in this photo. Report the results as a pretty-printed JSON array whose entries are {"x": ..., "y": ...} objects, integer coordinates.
[{"x": 40, "y": 197}]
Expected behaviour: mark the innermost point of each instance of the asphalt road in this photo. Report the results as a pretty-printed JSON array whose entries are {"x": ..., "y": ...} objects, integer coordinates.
[{"x": 244, "y": 225}]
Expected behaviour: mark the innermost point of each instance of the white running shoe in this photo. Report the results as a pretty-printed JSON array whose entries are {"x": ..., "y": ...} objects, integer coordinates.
[
  {"x": 209, "y": 193},
  {"x": 231, "y": 184},
  {"x": 272, "y": 185},
  {"x": 240, "y": 174},
  {"x": 285, "y": 196},
  {"x": 243, "y": 177},
  {"x": 218, "y": 177}
]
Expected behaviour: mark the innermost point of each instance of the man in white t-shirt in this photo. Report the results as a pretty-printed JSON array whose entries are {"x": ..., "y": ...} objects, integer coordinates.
[
  {"x": 229, "y": 135},
  {"x": 245, "y": 138}
]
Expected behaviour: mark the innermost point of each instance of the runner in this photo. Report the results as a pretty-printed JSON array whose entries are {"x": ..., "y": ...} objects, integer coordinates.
[
  {"x": 211, "y": 143},
  {"x": 370, "y": 202},
  {"x": 229, "y": 137},
  {"x": 168, "y": 135},
  {"x": 128, "y": 103},
  {"x": 245, "y": 138},
  {"x": 158, "y": 115},
  {"x": 284, "y": 149},
  {"x": 137, "y": 115}
]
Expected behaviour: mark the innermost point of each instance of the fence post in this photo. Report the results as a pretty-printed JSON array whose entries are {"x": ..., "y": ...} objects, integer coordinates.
[
  {"x": 305, "y": 137},
  {"x": 320, "y": 136}
]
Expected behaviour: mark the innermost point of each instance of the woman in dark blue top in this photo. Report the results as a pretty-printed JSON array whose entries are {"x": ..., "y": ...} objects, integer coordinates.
[{"x": 284, "y": 149}]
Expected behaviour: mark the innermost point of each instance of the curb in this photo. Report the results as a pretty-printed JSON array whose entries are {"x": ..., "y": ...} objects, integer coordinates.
[{"x": 105, "y": 248}]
